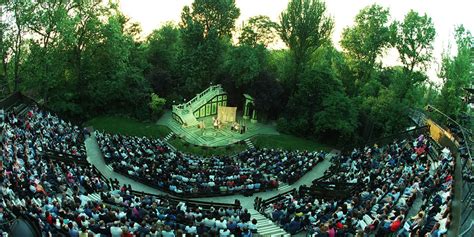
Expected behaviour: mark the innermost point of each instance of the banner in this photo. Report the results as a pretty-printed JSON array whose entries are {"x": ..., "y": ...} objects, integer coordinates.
[{"x": 226, "y": 114}]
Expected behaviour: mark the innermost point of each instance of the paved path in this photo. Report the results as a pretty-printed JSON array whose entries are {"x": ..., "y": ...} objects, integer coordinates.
[{"x": 94, "y": 156}]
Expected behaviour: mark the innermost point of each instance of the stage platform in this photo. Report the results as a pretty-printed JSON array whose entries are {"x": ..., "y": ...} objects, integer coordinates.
[{"x": 211, "y": 137}]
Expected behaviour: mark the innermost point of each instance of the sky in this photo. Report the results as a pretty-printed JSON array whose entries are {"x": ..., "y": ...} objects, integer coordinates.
[{"x": 151, "y": 14}]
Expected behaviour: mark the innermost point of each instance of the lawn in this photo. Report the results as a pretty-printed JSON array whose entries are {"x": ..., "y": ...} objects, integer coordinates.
[
  {"x": 127, "y": 126},
  {"x": 288, "y": 142},
  {"x": 131, "y": 127},
  {"x": 183, "y": 146}
]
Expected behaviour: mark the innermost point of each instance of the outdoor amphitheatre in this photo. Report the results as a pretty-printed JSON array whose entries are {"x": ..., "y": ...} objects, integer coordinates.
[{"x": 236, "y": 118}]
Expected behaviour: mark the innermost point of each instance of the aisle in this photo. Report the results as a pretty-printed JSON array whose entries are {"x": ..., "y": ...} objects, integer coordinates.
[{"x": 94, "y": 156}]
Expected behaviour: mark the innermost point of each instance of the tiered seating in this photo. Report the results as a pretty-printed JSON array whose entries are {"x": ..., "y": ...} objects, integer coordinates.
[
  {"x": 150, "y": 161},
  {"x": 68, "y": 197},
  {"x": 388, "y": 179},
  {"x": 45, "y": 133}
]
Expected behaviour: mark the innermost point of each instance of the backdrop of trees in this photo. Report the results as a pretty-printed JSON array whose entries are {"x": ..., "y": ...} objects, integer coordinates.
[{"x": 85, "y": 58}]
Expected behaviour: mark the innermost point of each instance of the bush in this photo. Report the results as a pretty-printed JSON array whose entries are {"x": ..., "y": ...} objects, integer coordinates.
[{"x": 156, "y": 106}]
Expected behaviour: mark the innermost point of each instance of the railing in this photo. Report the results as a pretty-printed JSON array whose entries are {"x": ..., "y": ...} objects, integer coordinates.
[
  {"x": 465, "y": 193},
  {"x": 197, "y": 97},
  {"x": 189, "y": 203},
  {"x": 388, "y": 139}
]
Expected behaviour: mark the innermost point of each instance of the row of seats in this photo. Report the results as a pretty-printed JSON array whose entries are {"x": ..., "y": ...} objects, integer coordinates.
[
  {"x": 152, "y": 162},
  {"x": 392, "y": 178},
  {"x": 70, "y": 198}
]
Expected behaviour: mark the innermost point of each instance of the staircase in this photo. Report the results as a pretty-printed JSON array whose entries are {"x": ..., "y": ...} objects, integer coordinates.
[
  {"x": 186, "y": 111},
  {"x": 284, "y": 188},
  {"x": 168, "y": 137},
  {"x": 266, "y": 227},
  {"x": 249, "y": 144}
]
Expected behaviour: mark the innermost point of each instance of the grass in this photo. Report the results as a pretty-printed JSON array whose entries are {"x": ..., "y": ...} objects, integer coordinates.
[
  {"x": 131, "y": 127},
  {"x": 127, "y": 126},
  {"x": 288, "y": 142},
  {"x": 186, "y": 147}
]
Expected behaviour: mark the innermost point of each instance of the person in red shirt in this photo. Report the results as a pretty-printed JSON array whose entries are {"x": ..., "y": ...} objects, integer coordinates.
[
  {"x": 396, "y": 224},
  {"x": 49, "y": 218}
]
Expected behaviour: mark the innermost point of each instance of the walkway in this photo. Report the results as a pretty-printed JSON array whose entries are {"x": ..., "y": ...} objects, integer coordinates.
[{"x": 94, "y": 156}]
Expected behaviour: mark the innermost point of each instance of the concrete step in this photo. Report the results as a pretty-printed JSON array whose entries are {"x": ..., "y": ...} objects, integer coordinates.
[
  {"x": 94, "y": 197},
  {"x": 284, "y": 187},
  {"x": 277, "y": 231}
]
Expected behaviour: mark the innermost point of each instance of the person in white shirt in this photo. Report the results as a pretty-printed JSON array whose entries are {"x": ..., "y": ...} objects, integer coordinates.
[
  {"x": 221, "y": 224},
  {"x": 224, "y": 232},
  {"x": 191, "y": 229}
]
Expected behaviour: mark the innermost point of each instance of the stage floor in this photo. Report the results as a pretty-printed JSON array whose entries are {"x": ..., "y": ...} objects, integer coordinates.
[{"x": 209, "y": 136}]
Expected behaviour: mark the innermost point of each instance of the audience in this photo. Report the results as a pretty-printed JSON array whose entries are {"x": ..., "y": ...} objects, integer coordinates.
[
  {"x": 58, "y": 194},
  {"x": 393, "y": 177},
  {"x": 154, "y": 163},
  {"x": 73, "y": 200}
]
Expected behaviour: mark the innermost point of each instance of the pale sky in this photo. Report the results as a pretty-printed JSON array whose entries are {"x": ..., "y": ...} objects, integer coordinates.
[{"x": 151, "y": 14}]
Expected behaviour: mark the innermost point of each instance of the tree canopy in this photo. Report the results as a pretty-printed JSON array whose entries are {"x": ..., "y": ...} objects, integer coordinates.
[{"x": 86, "y": 58}]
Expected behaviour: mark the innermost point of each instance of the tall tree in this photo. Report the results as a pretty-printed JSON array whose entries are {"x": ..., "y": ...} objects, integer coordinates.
[
  {"x": 219, "y": 15},
  {"x": 456, "y": 75},
  {"x": 304, "y": 27},
  {"x": 367, "y": 39},
  {"x": 5, "y": 46},
  {"x": 163, "y": 47},
  {"x": 17, "y": 20},
  {"x": 414, "y": 40},
  {"x": 259, "y": 30},
  {"x": 206, "y": 30}
]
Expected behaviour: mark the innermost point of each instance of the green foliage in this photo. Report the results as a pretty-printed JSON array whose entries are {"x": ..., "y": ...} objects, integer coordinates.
[
  {"x": 414, "y": 40},
  {"x": 456, "y": 75},
  {"x": 244, "y": 63},
  {"x": 212, "y": 15},
  {"x": 127, "y": 126},
  {"x": 205, "y": 33},
  {"x": 367, "y": 39},
  {"x": 320, "y": 106},
  {"x": 156, "y": 105},
  {"x": 163, "y": 47},
  {"x": 259, "y": 30},
  {"x": 304, "y": 27}
]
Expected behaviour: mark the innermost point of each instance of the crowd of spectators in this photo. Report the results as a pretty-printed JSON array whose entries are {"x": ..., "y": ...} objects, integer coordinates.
[
  {"x": 39, "y": 131},
  {"x": 393, "y": 177},
  {"x": 153, "y": 162},
  {"x": 59, "y": 195}
]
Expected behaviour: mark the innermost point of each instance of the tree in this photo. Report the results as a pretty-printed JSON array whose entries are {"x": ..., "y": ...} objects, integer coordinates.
[
  {"x": 205, "y": 33},
  {"x": 218, "y": 15},
  {"x": 268, "y": 94},
  {"x": 258, "y": 30},
  {"x": 456, "y": 75},
  {"x": 244, "y": 63},
  {"x": 5, "y": 47},
  {"x": 414, "y": 40},
  {"x": 163, "y": 47},
  {"x": 17, "y": 18},
  {"x": 156, "y": 105},
  {"x": 304, "y": 27},
  {"x": 367, "y": 39}
]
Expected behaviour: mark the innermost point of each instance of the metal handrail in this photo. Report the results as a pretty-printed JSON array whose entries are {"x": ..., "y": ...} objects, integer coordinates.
[
  {"x": 467, "y": 230},
  {"x": 198, "y": 96}
]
